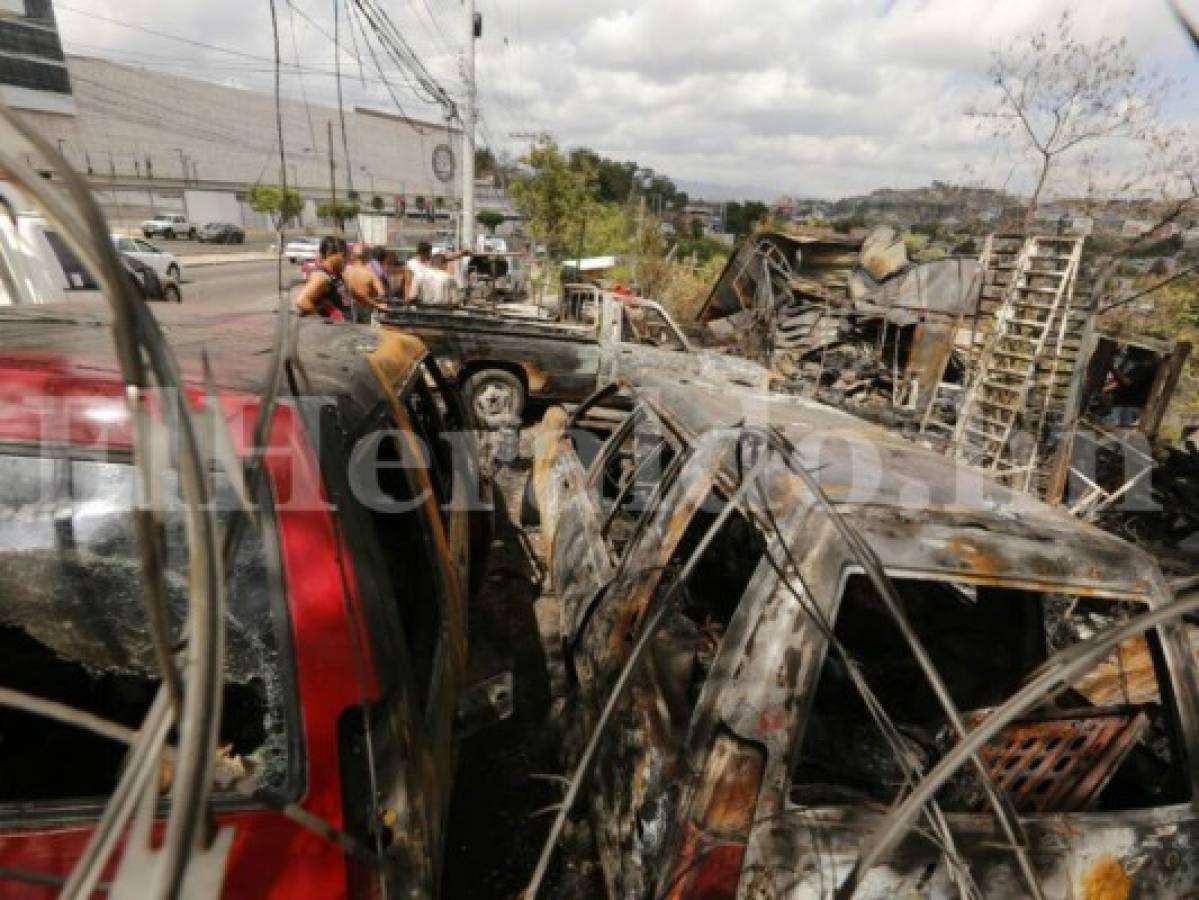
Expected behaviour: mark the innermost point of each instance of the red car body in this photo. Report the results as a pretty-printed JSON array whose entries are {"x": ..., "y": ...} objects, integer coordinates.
[{"x": 58, "y": 385}]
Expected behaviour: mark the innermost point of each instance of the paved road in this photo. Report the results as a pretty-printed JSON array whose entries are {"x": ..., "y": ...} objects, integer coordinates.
[
  {"x": 184, "y": 249},
  {"x": 235, "y": 285}
]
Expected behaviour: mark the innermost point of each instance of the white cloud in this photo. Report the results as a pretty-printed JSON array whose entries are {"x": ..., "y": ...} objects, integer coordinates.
[{"x": 823, "y": 97}]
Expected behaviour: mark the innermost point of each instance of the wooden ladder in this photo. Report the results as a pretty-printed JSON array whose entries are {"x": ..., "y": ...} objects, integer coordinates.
[
  {"x": 996, "y": 263},
  {"x": 1028, "y": 335}
]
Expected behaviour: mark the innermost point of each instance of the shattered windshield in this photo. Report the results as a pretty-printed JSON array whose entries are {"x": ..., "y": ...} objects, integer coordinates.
[{"x": 73, "y": 629}]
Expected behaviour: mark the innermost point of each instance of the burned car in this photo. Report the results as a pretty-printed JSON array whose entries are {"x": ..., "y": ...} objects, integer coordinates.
[
  {"x": 781, "y": 623},
  {"x": 501, "y": 361},
  {"x": 346, "y": 639}
]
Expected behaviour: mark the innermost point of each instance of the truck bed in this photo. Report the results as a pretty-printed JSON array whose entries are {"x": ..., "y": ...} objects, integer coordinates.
[{"x": 478, "y": 321}]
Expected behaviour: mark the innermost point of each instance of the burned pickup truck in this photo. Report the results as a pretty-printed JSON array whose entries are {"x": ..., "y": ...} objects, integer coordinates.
[
  {"x": 502, "y": 360},
  {"x": 813, "y": 660}
]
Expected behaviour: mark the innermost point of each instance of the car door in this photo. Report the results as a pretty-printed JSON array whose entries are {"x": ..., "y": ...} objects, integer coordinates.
[
  {"x": 437, "y": 525},
  {"x": 656, "y": 502}
]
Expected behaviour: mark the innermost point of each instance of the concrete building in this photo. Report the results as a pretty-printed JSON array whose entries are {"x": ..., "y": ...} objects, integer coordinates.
[
  {"x": 151, "y": 142},
  {"x": 33, "y": 69}
]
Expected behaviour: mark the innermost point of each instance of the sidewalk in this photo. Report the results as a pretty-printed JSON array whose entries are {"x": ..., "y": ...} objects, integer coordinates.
[{"x": 217, "y": 259}]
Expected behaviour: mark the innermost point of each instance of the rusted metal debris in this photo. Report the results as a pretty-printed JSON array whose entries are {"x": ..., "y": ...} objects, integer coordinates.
[
  {"x": 1061, "y": 765},
  {"x": 751, "y": 709},
  {"x": 998, "y": 362}
]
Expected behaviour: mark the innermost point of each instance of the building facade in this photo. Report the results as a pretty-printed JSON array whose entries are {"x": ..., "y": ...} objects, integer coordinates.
[
  {"x": 150, "y": 142},
  {"x": 33, "y": 68}
]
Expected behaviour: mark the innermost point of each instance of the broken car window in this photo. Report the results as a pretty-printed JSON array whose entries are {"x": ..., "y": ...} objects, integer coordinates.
[
  {"x": 649, "y": 327},
  {"x": 686, "y": 647},
  {"x": 1103, "y": 745},
  {"x": 407, "y": 552},
  {"x": 73, "y": 629},
  {"x": 633, "y": 471}
]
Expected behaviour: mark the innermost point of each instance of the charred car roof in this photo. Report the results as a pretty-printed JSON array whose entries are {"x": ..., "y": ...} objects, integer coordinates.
[{"x": 920, "y": 512}]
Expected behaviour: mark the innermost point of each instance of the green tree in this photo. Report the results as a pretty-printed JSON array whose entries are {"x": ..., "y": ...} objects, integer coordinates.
[
  {"x": 339, "y": 211},
  {"x": 554, "y": 197},
  {"x": 270, "y": 199},
  {"x": 490, "y": 219},
  {"x": 485, "y": 162},
  {"x": 741, "y": 218}
]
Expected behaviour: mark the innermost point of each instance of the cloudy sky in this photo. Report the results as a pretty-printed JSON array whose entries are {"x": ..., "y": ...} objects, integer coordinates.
[{"x": 809, "y": 97}]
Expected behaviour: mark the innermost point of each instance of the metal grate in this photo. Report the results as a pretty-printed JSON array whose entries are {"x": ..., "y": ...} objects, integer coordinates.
[{"x": 1061, "y": 765}]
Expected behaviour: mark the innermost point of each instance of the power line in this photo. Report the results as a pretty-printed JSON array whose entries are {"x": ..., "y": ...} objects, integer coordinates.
[
  {"x": 341, "y": 107},
  {"x": 295, "y": 46},
  {"x": 266, "y": 66},
  {"x": 405, "y": 57}
]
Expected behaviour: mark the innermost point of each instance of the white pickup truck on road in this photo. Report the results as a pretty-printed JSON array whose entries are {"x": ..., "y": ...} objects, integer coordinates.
[{"x": 169, "y": 227}]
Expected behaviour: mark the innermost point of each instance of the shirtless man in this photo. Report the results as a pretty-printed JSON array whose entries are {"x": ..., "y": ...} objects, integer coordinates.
[
  {"x": 322, "y": 293},
  {"x": 367, "y": 292}
]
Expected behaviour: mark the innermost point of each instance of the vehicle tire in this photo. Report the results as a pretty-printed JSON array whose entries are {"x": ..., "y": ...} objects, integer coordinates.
[
  {"x": 192, "y": 234},
  {"x": 239, "y": 238},
  {"x": 495, "y": 398},
  {"x": 148, "y": 234},
  {"x": 171, "y": 293},
  {"x": 168, "y": 235},
  {"x": 173, "y": 272}
]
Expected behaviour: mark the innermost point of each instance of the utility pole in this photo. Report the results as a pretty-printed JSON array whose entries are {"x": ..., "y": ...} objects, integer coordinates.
[
  {"x": 333, "y": 180},
  {"x": 474, "y": 28}
]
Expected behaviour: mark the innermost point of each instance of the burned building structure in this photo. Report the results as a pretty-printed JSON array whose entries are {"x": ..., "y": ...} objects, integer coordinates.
[{"x": 1001, "y": 361}]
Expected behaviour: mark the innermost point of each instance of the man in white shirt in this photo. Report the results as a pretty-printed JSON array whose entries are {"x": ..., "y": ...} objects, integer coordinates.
[
  {"x": 417, "y": 266},
  {"x": 435, "y": 286}
]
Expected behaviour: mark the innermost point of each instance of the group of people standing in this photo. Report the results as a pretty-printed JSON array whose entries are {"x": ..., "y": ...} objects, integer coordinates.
[{"x": 355, "y": 284}]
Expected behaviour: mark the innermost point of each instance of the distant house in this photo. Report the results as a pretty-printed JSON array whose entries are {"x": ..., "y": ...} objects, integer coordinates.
[
  {"x": 1080, "y": 225},
  {"x": 707, "y": 214},
  {"x": 1167, "y": 230},
  {"x": 1051, "y": 214},
  {"x": 1134, "y": 228}
]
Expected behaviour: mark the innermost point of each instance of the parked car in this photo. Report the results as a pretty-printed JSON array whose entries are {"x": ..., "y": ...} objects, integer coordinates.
[
  {"x": 47, "y": 270},
  {"x": 347, "y": 642},
  {"x": 500, "y": 361},
  {"x": 165, "y": 264},
  {"x": 148, "y": 283},
  {"x": 302, "y": 249},
  {"x": 775, "y": 712},
  {"x": 169, "y": 227},
  {"x": 221, "y": 233}
]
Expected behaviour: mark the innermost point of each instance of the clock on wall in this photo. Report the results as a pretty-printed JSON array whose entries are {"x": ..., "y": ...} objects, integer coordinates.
[{"x": 443, "y": 162}]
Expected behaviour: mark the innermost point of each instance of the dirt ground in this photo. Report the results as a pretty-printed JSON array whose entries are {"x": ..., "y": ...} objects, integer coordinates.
[{"x": 503, "y": 804}]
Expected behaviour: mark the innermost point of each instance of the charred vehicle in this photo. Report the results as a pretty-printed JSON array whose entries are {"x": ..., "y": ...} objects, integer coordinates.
[
  {"x": 500, "y": 360},
  {"x": 346, "y": 638},
  {"x": 813, "y": 660}
]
